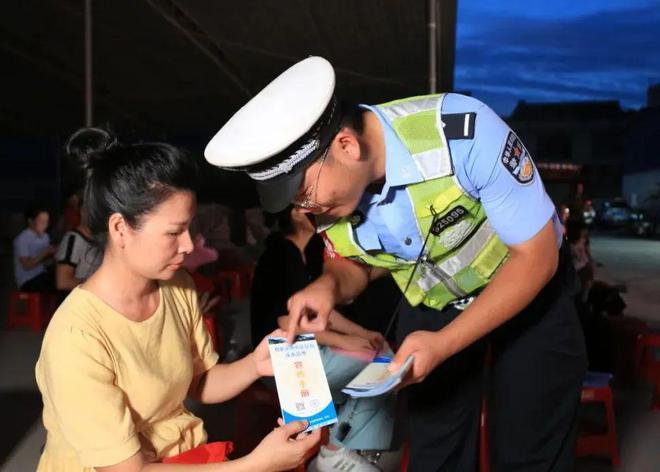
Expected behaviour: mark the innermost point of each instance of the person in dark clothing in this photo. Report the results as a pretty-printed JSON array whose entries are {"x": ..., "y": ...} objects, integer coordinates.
[
  {"x": 281, "y": 271},
  {"x": 596, "y": 301},
  {"x": 293, "y": 258}
]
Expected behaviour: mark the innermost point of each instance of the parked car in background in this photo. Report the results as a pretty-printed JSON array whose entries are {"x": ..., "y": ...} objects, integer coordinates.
[
  {"x": 640, "y": 224},
  {"x": 614, "y": 213},
  {"x": 645, "y": 222}
]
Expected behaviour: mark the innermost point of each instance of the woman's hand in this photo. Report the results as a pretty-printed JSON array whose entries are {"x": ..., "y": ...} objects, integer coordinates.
[
  {"x": 279, "y": 450},
  {"x": 355, "y": 343},
  {"x": 376, "y": 340},
  {"x": 261, "y": 354}
]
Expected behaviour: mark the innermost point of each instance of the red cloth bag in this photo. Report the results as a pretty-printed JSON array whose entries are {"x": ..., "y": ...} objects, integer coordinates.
[{"x": 204, "y": 454}]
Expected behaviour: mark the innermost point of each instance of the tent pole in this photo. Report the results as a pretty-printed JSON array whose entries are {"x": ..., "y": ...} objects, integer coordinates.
[
  {"x": 433, "y": 44},
  {"x": 88, "y": 63}
]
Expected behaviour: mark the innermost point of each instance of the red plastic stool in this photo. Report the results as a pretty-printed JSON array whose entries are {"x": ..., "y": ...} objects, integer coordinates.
[
  {"x": 624, "y": 332},
  {"x": 647, "y": 365},
  {"x": 596, "y": 388},
  {"x": 30, "y": 309}
]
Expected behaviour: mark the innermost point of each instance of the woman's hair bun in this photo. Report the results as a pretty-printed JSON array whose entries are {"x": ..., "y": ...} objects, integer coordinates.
[{"x": 87, "y": 146}]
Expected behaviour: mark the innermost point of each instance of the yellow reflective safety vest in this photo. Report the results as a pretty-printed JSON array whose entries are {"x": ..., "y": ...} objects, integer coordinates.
[{"x": 462, "y": 252}]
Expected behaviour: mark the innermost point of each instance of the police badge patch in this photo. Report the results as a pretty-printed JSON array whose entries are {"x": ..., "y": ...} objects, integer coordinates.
[{"x": 517, "y": 160}]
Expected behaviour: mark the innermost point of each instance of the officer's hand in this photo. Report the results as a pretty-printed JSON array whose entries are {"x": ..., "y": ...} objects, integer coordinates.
[
  {"x": 428, "y": 352},
  {"x": 310, "y": 308}
]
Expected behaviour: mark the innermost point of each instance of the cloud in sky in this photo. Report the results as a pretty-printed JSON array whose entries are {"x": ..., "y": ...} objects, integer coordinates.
[{"x": 557, "y": 51}]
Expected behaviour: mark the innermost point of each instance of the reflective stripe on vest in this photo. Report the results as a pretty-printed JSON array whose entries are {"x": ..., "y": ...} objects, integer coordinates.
[
  {"x": 414, "y": 120},
  {"x": 464, "y": 252}
]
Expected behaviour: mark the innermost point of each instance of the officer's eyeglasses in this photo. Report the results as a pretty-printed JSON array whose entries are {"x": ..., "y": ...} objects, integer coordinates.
[{"x": 309, "y": 201}]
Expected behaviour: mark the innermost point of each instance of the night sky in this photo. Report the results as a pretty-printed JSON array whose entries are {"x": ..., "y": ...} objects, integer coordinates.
[{"x": 557, "y": 50}]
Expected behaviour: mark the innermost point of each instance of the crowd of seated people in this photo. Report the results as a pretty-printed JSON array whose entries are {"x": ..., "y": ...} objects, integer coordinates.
[
  {"x": 596, "y": 300},
  {"x": 40, "y": 266}
]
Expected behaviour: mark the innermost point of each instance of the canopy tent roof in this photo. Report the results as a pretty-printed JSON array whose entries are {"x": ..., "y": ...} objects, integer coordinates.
[
  {"x": 184, "y": 67},
  {"x": 176, "y": 70}
]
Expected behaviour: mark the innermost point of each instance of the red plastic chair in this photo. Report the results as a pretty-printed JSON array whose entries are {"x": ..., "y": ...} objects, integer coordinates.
[
  {"x": 247, "y": 274},
  {"x": 596, "y": 388},
  {"x": 229, "y": 283},
  {"x": 647, "y": 365},
  {"x": 235, "y": 283},
  {"x": 405, "y": 456},
  {"x": 211, "y": 453},
  {"x": 205, "y": 454},
  {"x": 209, "y": 321},
  {"x": 205, "y": 285},
  {"x": 30, "y": 309},
  {"x": 202, "y": 283}
]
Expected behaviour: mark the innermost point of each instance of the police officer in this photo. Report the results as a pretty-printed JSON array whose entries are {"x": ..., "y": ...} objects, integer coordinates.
[{"x": 438, "y": 192}]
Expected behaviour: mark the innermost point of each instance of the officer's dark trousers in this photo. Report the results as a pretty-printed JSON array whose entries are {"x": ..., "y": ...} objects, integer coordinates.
[{"x": 533, "y": 389}]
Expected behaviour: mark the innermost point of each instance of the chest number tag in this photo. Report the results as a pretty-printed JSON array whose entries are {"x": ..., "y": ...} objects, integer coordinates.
[{"x": 453, "y": 216}]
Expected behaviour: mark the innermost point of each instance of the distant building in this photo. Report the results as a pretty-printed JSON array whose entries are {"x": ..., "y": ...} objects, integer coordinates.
[
  {"x": 641, "y": 181},
  {"x": 653, "y": 96},
  {"x": 575, "y": 142}
]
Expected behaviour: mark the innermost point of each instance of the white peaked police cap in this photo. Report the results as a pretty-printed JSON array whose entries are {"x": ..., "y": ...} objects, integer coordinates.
[{"x": 277, "y": 134}]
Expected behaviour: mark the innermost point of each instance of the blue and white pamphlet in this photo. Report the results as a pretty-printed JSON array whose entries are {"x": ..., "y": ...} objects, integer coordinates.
[
  {"x": 302, "y": 386},
  {"x": 376, "y": 379}
]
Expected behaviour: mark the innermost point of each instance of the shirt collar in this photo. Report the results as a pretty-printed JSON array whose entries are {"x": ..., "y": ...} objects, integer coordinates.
[{"x": 400, "y": 168}]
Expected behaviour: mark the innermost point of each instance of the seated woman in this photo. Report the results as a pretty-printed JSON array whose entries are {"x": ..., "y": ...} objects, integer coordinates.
[
  {"x": 578, "y": 239},
  {"x": 595, "y": 300},
  {"x": 292, "y": 259},
  {"x": 77, "y": 258},
  {"x": 32, "y": 252},
  {"x": 127, "y": 346}
]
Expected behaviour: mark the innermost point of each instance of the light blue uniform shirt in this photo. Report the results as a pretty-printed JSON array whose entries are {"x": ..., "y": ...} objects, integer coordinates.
[
  {"x": 515, "y": 210},
  {"x": 28, "y": 244}
]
